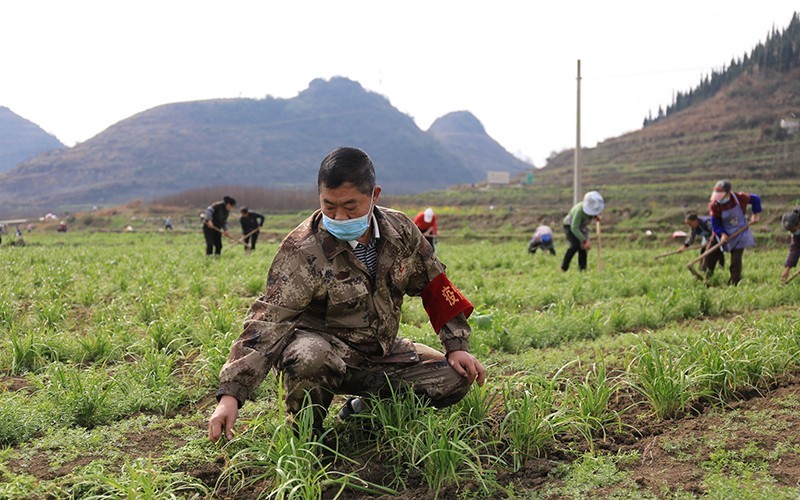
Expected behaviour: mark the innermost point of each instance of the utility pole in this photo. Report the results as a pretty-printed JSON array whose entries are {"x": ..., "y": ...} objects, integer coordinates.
[{"x": 576, "y": 179}]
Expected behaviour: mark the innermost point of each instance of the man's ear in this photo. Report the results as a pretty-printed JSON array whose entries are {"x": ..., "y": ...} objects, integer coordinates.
[{"x": 376, "y": 194}]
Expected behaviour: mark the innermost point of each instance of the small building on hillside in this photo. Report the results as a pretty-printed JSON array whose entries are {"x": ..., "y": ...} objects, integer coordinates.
[
  {"x": 498, "y": 178},
  {"x": 791, "y": 125}
]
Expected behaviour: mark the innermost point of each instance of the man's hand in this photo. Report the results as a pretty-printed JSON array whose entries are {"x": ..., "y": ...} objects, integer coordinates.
[
  {"x": 682, "y": 249},
  {"x": 755, "y": 218},
  {"x": 724, "y": 238},
  {"x": 467, "y": 365},
  {"x": 587, "y": 245},
  {"x": 785, "y": 274},
  {"x": 224, "y": 417},
  {"x": 226, "y": 234}
]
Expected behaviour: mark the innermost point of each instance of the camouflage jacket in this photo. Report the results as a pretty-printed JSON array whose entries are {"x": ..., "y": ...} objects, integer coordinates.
[{"x": 317, "y": 284}]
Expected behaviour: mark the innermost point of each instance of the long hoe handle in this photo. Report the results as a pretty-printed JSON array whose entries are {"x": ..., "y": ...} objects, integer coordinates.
[
  {"x": 599, "y": 259},
  {"x": 672, "y": 252},
  {"x": 244, "y": 237},
  {"x": 790, "y": 278},
  {"x": 712, "y": 249}
]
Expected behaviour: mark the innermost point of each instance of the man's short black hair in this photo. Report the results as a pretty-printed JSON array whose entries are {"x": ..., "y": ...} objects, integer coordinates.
[
  {"x": 244, "y": 209},
  {"x": 691, "y": 216},
  {"x": 347, "y": 165},
  {"x": 229, "y": 201}
]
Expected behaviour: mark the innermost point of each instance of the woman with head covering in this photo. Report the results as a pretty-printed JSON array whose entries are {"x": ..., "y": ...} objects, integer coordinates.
[
  {"x": 728, "y": 215},
  {"x": 426, "y": 222},
  {"x": 542, "y": 238},
  {"x": 576, "y": 228}
]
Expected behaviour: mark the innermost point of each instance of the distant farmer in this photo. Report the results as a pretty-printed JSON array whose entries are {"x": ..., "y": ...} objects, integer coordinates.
[
  {"x": 168, "y": 223},
  {"x": 728, "y": 215},
  {"x": 542, "y": 238},
  {"x": 700, "y": 225},
  {"x": 576, "y": 228},
  {"x": 426, "y": 222},
  {"x": 791, "y": 222},
  {"x": 251, "y": 223},
  {"x": 329, "y": 317},
  {"x": 215, "y": 224},
  {"x": 62, "y": 227}
]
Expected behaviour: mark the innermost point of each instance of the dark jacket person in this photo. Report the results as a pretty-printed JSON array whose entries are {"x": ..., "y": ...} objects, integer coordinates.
[
  {"x": 251, "y": 222},
  {"x": 215, "y": 224}
]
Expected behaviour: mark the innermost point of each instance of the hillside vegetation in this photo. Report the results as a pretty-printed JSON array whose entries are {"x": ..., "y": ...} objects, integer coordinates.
[
  {"x": 21, "y": 140},
  {"x": 271, "y": 143}
]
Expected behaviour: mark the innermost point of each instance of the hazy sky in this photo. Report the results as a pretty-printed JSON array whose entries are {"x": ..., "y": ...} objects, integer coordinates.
[{"x": 77, "y": 67}]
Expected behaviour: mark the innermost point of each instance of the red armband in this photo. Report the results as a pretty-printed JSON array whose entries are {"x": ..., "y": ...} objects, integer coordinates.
[{"x": 443, "y": 301}]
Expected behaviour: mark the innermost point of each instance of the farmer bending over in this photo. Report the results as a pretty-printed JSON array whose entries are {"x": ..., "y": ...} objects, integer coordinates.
[
  {"x": 700, "y": 225},
  {"x": 329, "y": 317},
  {"x": 576, "y": 228},
  {"x": 791, "y": 222},
  {"x": 215, "y": 224},
  {"x": 728, "y": 215}
]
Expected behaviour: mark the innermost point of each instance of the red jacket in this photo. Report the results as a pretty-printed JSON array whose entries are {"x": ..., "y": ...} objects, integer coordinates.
[{"x": 423, "y": 226}]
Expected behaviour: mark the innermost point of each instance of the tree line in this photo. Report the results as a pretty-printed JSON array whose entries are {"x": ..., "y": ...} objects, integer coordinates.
[{"x": 779, "y": 53}]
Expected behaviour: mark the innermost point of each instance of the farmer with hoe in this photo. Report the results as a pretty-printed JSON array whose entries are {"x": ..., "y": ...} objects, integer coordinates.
[
  {"x": 700, "y": 225},
  {"x": 791, "y": 222},
  {"x": 251, "y": 223},
  {"x": 215, "y": 224},
  {"x": 542, "y": 238},
  {"x": 576, "y": 228},
  {"x": 329, "y": 317},
  {"x": 426, "y": 222},
  {"x": 728, "y": 211}
]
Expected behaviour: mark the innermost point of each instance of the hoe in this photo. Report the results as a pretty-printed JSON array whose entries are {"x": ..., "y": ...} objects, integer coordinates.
[
  {"x": 712, "y": 249},
  {"x": 674, "y": 252}
]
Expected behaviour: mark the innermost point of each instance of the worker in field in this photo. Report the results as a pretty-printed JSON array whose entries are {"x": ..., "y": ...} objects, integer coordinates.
[
  {"x": 728, "y": 218},
  {"x": 426, "y": 222},
  {"x": 791, "y": 222},
  {"x": 700, "y": 225},
  {"x": 542, "y": 238},
  {"x": 215, "y": 224},
  {"x": 251, "y": 223},
  {"x": 329, "y": 317},
  {"x": 576, "y": 228}
]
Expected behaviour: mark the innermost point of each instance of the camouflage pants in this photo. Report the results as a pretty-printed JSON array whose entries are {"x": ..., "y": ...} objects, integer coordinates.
[{"x": 311, "y": 365}]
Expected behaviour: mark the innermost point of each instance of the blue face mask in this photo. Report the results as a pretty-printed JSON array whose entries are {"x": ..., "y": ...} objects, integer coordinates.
[
  {"x": 797, "y": 233},
  {"x": 348, "y": 229},
  {"x": 724, "y": 200}
]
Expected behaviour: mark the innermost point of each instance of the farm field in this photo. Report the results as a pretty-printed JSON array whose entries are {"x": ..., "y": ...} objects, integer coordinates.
[{"x": 638, "y": 381}]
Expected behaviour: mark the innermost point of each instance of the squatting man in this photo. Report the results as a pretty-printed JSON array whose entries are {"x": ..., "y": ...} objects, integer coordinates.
[{"x": 329, "y": 316}]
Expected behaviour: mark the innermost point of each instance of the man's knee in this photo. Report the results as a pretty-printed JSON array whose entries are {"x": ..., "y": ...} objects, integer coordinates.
[
  {"x": 441, "y": 384},
  {"x": 310, "y": 357},
  {"x": 452, "y": 389}
]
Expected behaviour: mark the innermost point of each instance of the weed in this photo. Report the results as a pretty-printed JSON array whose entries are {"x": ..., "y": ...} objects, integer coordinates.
[
  {"x": 531, "y": 421},
  {"x": 83, "y": 398},
  {"x": 587, "y": 402},
  {"x": 664, "y": 381}
]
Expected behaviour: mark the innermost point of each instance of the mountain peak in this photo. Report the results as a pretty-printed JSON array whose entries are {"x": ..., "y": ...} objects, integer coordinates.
[
  {"x": 21, "y": 139},
  {"x": 462, "y": 122}
]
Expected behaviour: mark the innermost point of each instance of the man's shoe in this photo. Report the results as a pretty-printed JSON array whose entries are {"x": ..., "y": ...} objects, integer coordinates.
[{"x": 351, "y": 407}]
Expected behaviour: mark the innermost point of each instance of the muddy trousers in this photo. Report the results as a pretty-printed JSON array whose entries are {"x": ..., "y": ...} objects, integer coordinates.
[
  {"x": 736, "y": 265},
  {"x": 575, "y": 246},
  {"x": 310, "y": 365}
]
